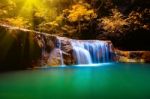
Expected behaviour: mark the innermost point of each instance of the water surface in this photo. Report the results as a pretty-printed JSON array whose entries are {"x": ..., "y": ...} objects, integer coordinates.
[{"x": 109, "y": 81}]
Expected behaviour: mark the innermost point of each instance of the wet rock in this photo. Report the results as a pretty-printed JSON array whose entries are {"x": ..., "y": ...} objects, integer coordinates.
[
  {"x": 23, "y": 48},
  {"x": 54, "y": 58},
  {"x": 66, "y": 49},
  {"x": 19, "y": 49},
  {"x": 146, "y": 56},
  {"x": 133, "y": 56}
]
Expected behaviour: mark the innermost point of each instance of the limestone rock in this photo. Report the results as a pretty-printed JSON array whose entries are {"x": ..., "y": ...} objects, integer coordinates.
[
  {"x": 133, "y": 56},
  {"x": 54, "y": 58}
]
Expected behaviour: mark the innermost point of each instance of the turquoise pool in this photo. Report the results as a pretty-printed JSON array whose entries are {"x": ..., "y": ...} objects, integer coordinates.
[{"x": 108, "y": 81}]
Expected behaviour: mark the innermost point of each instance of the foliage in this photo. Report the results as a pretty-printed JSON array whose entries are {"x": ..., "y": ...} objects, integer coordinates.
[
  {"x": 52, "y": 27},
  {"x": 18, "y": 21},
  {"x": 114, "y": 23},
  {"x": 78, "y": 19},
  {"x": 75, "y": 18},
  {"x": 136, "y": 19},
  {"x": 72, "y": 22},
  {"x": 6, "y": 8},
  {"x": 118, "y": 24},
  {"x": 80, "y": 12}
]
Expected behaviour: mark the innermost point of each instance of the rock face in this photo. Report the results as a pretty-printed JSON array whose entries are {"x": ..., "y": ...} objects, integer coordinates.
[
  {"x": 133, "y": 56},
  {"x": 18, "y": 48},
  {"x": 68, "y": 52},
  {"x": 23, "y": 48},
  {"x": 27, "y": 49},
  {"x": 56, "y": 51}
]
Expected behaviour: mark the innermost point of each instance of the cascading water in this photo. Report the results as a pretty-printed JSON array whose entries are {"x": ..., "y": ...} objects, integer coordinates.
[
  {"x": 91, "y": 51},
  {"x": 60, "y": 51},
  {"x": 80, "y": 52}
]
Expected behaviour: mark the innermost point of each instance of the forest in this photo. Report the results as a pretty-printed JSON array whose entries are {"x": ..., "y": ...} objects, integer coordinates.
[{"x": 117, "y": 20}]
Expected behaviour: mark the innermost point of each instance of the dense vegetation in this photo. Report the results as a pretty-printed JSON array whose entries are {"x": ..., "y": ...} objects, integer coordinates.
[
  {"x": 117, "y": 20},
  {"x": 125, "y": 22}
]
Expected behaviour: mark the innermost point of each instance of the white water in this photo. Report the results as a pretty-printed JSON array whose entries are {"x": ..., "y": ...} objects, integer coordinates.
[
  {"x": 91, "y": 52},
  {"x": 61, "y": 53},
  {"x": 85, "y": 52}
]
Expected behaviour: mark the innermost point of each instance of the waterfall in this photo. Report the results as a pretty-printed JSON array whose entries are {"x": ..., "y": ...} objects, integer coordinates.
[
  {"x": 91, "y": 51},
  {"x": 60, "y": 51}
]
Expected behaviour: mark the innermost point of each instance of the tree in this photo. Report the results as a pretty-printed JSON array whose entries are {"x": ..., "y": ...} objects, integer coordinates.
[
  {"x": 6, "y": 8},
  {"x": 74, "y": 21},
  {"x": 18, "y": 22},
  {"x": 114, "y": 25}
]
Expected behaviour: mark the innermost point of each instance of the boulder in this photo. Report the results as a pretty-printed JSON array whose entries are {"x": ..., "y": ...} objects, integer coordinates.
[{"x": 133, "y": 56}]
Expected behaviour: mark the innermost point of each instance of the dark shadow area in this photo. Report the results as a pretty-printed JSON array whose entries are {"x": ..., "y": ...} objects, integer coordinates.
[
  {"x": 18, "y": 50},
  {"x": 134, "y": 41}
]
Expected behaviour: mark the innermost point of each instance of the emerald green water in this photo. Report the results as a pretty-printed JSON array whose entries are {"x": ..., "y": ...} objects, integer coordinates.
[{"x": 112, "y": 81}]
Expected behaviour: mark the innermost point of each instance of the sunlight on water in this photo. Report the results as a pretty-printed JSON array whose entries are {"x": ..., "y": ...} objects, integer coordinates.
[{"x": 93, "y": 65}]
